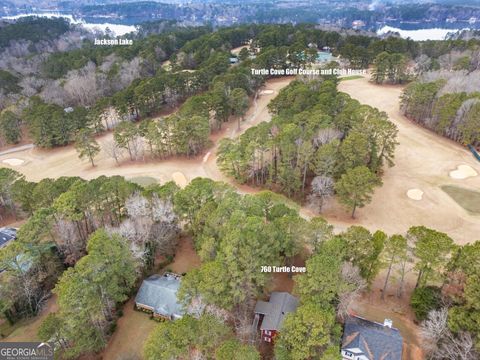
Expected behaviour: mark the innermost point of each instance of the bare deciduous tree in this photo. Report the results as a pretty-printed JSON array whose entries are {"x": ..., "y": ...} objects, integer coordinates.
[
  {"x": 434, "y": 328},
  {"x": 137, "y": 148},
  {"x": 81, "y": 85},
  {"x": 441, "y": 343},
  {"x": 355, "y": 285},
  {"x": 324, "y": 136},
  {"x": 152, "y": 227},
  {"x": 422, "y": 64},
  {"x": 322, "y": 189},
  {"x": 70, "y": 244},
  {"x": 112, "y": 149}
]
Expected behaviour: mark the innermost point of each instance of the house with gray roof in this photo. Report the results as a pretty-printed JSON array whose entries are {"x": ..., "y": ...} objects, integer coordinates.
[
  {"x": 270, "y": 315},
  {"x": 6, "y": 235},
  {"x": 158, "y": 295},
  {"x": 369, "y": 340}
]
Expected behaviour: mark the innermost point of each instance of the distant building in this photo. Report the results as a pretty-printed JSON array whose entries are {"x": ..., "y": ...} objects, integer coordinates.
[
  {"x": 369, "y": 340},
  {"x": 6, "y": 235},
  {"x": 22, "y": 262},
  {"x": 357, "y": 24},
  {"x": 158, "y": 295},
  {"x": 271, "y": 314}
]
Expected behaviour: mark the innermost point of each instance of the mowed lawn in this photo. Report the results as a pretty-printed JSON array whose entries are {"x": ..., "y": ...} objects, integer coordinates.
[
  {"x": 468, "y": 199},
  {"x": 143, "y": 180},
  {"x": 134, "y": 327}
]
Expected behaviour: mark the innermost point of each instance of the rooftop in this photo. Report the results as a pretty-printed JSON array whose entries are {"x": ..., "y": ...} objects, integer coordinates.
[
  {"x": 373, "y": 340},
  {"x": 159, "y": 292},
  {"x": 274, "y": 311},
  {"x": 7, "y": 235}
]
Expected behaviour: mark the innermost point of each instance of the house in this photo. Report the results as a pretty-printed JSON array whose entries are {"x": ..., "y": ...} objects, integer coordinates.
[
  {"x": 369, "y": 340},
  {"x": 357, "y": 24},
  {"x": 158, "y": 295},
  {"x": 22, "y": 261},
  {"x": 7, "y": 235},
  {"x": 271, "y": 314}
]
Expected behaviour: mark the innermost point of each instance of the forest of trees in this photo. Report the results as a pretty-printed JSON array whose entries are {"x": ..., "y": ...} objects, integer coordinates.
[
  {"x": 444, "y": 95},
  {"x": 390, "y": 67},
  {"x": 319, "y": 142},
  {"x": 109, "y": 231},
  {"x": 91, "y": 242},
  {"x": 34, "y": 29},
  {"x": 66, "y": 71},
  {"x": 448, "y": 104}
]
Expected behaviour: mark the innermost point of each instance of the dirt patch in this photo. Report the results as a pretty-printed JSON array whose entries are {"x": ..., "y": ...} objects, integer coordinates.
[
  {"x": 186, "y": 257},
  {"x": 467, "y": 199},
  {"x": 13, "y": 162},
  {"x": 9, "y": 219},
  {"x": 133, "y": 329},
  {"x": 463, "y": 172},
  {"x": 237, "y": 50},
  {"x": 281, "y": 282},
  {"x": 415, "y": 194}
]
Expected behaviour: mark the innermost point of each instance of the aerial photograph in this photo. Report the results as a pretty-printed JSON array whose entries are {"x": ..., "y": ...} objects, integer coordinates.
[{"x": 240, "y": 180}]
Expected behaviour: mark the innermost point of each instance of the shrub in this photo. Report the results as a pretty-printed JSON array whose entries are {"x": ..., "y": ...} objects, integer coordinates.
[{"x": 424, "y": 299}]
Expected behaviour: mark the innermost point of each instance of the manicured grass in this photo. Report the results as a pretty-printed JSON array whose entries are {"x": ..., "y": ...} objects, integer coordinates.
[
  {"x": 143, "y": 180},
  {"x": 353, "y": 77},
  {"x": 468, "y": 199}
]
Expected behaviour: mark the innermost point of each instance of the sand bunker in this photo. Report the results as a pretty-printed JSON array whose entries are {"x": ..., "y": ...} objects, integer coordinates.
[
  {"x": 13, "y": 162},
  {"x": 266, "y": 92},
  {"x": 415, "y": 194},
  {"x": 463, "y": 172},
  {"x": 179, "y": 179}
]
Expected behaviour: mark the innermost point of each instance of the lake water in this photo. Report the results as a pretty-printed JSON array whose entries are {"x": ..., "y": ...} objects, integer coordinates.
[
  {"x": 117, "y": 29},
  {"x": 419, "y": 34},
  {"x": 120, "y": 29}
]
